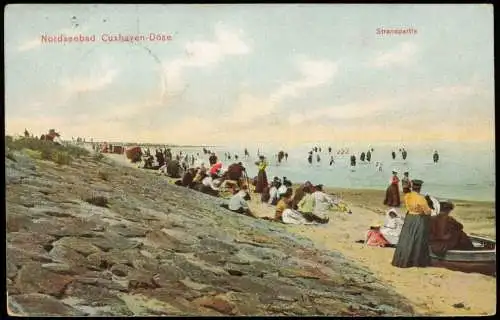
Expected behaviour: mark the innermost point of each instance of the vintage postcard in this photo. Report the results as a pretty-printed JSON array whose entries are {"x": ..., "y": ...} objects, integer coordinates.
[{"x": 250, "y": 160}]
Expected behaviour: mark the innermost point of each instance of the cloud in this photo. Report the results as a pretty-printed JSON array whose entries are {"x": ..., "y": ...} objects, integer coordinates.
[
  {"x": 200, "y": 54},
  {"x": 314, "y": 73},
  {"x": 37, "y": 42},
  {"x": 90, "y": 83},
  {"x": 401, "y": 55},
  {"x": 457, "y": 91},
  {"x": 342, "y": 112}
]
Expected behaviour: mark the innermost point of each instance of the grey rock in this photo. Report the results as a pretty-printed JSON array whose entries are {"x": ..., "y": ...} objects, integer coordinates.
[{"x": 39, "y": 305}]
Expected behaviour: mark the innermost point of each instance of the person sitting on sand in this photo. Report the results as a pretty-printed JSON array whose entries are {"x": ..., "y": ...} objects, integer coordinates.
[
  {"x": 201, "y": 173},
  {"x": 284, "y": 186},
  {"x": 187, "y": 178},
  {"x": 375, "y": 238},
  {"x": 273, "y": 191},
  {"x": 285, "y": 214},
  {"x": 299, "y": 194},
  {"x": 307, "y": 206},
  {"x": 238, "y": 202},
  {"x": 234, "y": 172},
  {"x": 210, "y": 185},
  {"x": 322, "y": 203},
  {"x": 392, "y": 226},
  {"x": 446, "y": 233},
  {"x": 284, "y": 203}
]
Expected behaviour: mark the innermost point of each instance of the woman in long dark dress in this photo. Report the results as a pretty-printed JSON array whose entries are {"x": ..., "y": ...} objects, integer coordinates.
[
  {"x": 392, "y": 198},
  {"x": 261, "y": 175},
  {"x": 413, "y": 245}
]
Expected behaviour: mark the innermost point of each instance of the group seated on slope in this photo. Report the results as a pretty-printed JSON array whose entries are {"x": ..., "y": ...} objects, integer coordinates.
[
  {"x": 212, "y": 181},
  {"x": 308, "y": 204}
]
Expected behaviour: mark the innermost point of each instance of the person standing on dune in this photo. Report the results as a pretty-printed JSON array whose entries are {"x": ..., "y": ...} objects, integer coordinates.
[
  {"x": 261, "y": 175},
  {"x": 392, "y": 198}
]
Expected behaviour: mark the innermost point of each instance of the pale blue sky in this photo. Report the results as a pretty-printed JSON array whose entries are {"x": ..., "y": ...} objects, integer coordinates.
[{"x": 261, "y": 72}]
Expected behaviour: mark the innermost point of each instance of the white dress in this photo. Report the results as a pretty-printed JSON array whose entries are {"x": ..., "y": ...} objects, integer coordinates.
[{"x": 392, "y": 228}]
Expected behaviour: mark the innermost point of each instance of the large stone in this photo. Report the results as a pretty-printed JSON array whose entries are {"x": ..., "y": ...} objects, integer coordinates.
[
  {"x": 51, "y": 212},
  {"x": 92, "y": 295},
  {"x": 173, "y": 290},
  {"x": 61, "y": 268},
  {"x": 108, "y": 241},
  {"x": 142, "y": 305},
  {"x": 33, "y": 278},
  {"x": 39, "y": 305},
  {"x": 75, "y": 228},
  {"x": 100, "y": 282},
  {"x": 80, "y": 245},
  {"x": 29, "y": 237},
  {"x": 63, "y": 254},
  {"x": 21, "y": 256},
  {"x": 246, "y": 304},
  {"x": 218, "y": 304},
  {"x": 17, "y": 223},
  {"x": 181, "y": 236},
  {"x": 129, "y": 230},
  {"x": 11, "y": 269},
  {"x": 141, "y": 279},
  {"x": 159, "y": 239},
  {"x": 214, "y": 245}
]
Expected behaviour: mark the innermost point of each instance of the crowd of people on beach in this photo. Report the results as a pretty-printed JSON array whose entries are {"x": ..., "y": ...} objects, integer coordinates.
[{"x": 306, "y": 204}]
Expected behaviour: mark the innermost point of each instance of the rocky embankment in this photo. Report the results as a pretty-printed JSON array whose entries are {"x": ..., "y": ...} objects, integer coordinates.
[{"x": 95, "y": 238}]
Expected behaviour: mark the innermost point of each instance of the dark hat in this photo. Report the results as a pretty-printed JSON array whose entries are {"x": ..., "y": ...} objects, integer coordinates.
[
  {"x": 319, "y": 186},
  {"x": 446, "y": 205},
  {"x": 417, "y": 182}
]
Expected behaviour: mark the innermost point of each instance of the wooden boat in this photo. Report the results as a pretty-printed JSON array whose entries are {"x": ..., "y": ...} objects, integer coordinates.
[{"x": 480, "y": 260}]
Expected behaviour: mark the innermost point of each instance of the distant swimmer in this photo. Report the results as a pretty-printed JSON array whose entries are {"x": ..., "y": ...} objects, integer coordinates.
[
  {"x": 378, "y": 165},
  {"x": 319, "y": 149},
  {"x": 393, "y": 155},
  {"x": 281, "y": 155},
  {"x": 286, "y": 156},
  {"x": 310, "y": 157},
  {"x": 331, "y": 160},
  {"x": 246, "y": 153},
  {"x": 353, "y": 161},
  {"x": 362, "y": 156},
  {"x": 329, "y": 149},
  {"x": 318, "y": 159},
  {"x": 404, "y": 154},
  {"x": 368, "y": 156},
  {"x": 435, "y": 157},
  {"x": 235, "y": 156}
]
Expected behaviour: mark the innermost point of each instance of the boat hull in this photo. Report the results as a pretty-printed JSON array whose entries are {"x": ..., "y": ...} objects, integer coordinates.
[{"x": 480, "y": 260}]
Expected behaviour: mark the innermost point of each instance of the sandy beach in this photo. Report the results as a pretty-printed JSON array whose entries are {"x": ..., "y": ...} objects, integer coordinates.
[{"x": 433, "y": 291}]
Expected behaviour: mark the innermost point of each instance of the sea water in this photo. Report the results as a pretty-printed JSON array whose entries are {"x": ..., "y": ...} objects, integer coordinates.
[{"x": 464, "y": 170}]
